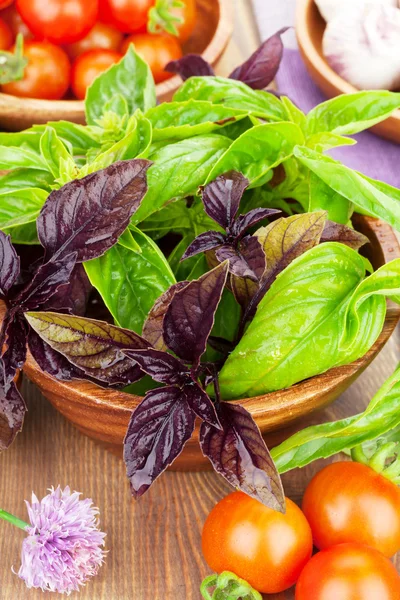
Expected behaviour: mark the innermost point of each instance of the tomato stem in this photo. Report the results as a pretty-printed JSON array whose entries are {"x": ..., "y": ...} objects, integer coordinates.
[
  {"x": 228, "y": 586},
  {"x": 385, "y": 460},
  {"x": 162, "y": 19}
]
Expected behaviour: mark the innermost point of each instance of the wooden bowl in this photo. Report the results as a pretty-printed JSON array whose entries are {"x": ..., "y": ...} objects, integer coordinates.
[
  {"x": 211, "y": 35},
  {"x": 310, "y": 27},
  {"x": 104, "y": 414}
]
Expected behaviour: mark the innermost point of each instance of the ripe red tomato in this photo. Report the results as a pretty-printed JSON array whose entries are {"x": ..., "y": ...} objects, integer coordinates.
[
  {"x": 5, "y": 3},
  {"x": 349, "y": 502},
  {"x": 59, "y": 21},
  {"x": 348, "y": 572},
  {"x": 47, "y": 74},
  {"x": 14, "y": 20},
  {"x": 129, "y": 16},
  {"x": 262, "y": 546},
  {"x": 188, "y": 14},
  {"x": 6, "y": 36},
  {"x": 102, "y": 36},
  {"x": 156, "y": 50},
  {"x": 88, "y": 66}
]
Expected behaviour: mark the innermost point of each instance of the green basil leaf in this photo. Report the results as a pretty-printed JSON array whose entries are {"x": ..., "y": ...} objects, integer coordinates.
[
  {"x": 259, "y": 150},
  {"x": 352, "y": 113},
  {"x": 321, "y": 441},
  {"x": 322, "y": 197},
  {"x": 180, "y": 120},
  {"x": 174, "y": 216},
  {"x": 130, "y": 282},
  {"x": 378, "y": 199},
  {"x": 325, "y": 141},
  {"x": 233, "y": 94},
  {"x": 25, "y": 178},
  {"x": 78, "y": 137},
  {"x": 14, "y": 158},
  {"x": 131, "y": 78},
  {"x": 117, "y": 104},
  {"x": 294, "y": 114},
  {"x": 21, "y": 206},
  {"x": 53, "y": 150},
  {"x": 28, "y": 139},
  {"x": 296, "y": 335},
  {"x": 178, "y": 171},
  {"x": 23, "y": 234}
]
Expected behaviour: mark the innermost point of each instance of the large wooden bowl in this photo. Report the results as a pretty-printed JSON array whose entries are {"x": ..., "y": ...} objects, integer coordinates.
[
  {"x": 104, "y": 414},
  {"x": 212, "y": 33},
  {"x": 310, "y": 27}
]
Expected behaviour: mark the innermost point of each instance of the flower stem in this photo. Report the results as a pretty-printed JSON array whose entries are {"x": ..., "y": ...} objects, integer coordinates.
[{"x": 13, "y": 520}]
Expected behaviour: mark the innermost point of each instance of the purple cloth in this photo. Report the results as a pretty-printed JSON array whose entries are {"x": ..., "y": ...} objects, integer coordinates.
[{"x": 373, "y": 156}]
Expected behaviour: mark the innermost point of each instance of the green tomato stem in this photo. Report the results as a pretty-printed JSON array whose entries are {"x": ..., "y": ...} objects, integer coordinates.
[
  {"x": 6, "y": 516},
  {"x": 228, "y": 586}
]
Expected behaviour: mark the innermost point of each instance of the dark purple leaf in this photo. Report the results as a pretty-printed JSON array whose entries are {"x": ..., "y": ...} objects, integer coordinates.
[
  {"x": 335, "y": 232},
  {"x": 239, "y": 454},
  {"x": 12, "y": 412},
  {"x": 260, "y": 69},
  {"x": 190, "y": 316},
  {"x": 88, "y": 215},
  {"x": 13, "y": 358},
  {"x": 203, "y": 242},
  {"x": 161, "y": 366},
  {"x": 157, "y": 433},
  {"x": 220, "y": 344},
  {"x": 221, "y": 197},
  {"x": 73, "y": 296},
  {"x": 244, "y": 290},
  {"x": 201, "y": 404},
  {"x": 244, "y": 222},
  {"x": 9, "y": 264},
  {"x": 153, "y": 326},
  {"x": 191, "y": 65},
  {"x": 247, "y": 260}
]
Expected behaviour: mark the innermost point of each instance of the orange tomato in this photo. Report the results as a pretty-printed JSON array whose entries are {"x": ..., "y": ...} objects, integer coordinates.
[
  {"x": 6, "y": 36},
  {"x": 102, "y": 36},
  {"x": 88, "y": 66},
  {"x": 156, "y": 50},
  {"x": 5, "y": 3},
  {"x": 188, "y": 15},
  {"x": 14, "y": 20},
  {"x": 129, "y": 16},
  {"x": 266, "y": 548}
]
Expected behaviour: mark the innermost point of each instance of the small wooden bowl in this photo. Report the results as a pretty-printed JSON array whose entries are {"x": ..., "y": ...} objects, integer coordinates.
[
  {"x": 211, "y": 35},
  {"x": 310, "y": 27},
  {"x": 104, "y": 414}
]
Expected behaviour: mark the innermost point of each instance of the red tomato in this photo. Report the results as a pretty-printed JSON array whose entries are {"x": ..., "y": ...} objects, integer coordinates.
[
  {"x": 90, "y": 65},
  {"x": 129, "y": 16},
  {"x": 262, "y": 546},
  {"x": 188, "y": 14},
  {"x": 59, "y": 21},
  {"x": 47, "y": 74},
  {"x": 102, "y": 36},
  {"x": 348, "y": 572},
  {"x": 5, "y": 3},
  {"x": 14, "y": 20},
  {"x": 349, "y": 502},
  {"x": 156, "y": 50},
  {"x": 6, "y": 36}
]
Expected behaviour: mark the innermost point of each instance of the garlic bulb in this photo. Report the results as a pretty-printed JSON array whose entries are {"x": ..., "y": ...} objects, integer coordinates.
[
  {"x": 363, "y": 47},
  {"x": 330, "y": 9}
]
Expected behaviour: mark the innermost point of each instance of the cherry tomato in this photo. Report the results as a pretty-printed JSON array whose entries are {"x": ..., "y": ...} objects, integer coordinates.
[
  {"x": 59, "y": 21},
  {"x": 90, "y": 65},
  {"x": 102, "y": 36},
  {"x": 188, "y": 14},
  {"x": 349, "y": 502},
  {"x": 129, "y": 16},
  {"x": 156, "y": 50},
  {"x": 5, "y": 3},
  {"x": 348, "y": 572},
  {"x": 262, "y": 546},
  {"x": 47, "y": 74},
  {"x": 14, "y": 20},
  {"x": 6, "y": 36}
]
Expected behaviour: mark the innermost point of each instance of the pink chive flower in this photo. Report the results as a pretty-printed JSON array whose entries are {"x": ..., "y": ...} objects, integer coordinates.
[{"x": 63, "y": 548}]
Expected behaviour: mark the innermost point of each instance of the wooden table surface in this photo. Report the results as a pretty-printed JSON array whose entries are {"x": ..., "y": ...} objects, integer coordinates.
[{"x": 154, "y": 543}]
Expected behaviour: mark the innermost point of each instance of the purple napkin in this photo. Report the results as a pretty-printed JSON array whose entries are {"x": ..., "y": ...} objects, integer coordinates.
[{"x": 373, "y": 156}]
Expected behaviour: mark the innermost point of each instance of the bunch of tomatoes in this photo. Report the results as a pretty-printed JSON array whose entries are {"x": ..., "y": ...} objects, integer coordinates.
[
  {"x": 350, "y": 513},
  {"x": 68, "y": 43}
]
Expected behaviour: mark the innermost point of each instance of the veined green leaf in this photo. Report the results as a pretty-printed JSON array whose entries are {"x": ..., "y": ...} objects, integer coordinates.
[
  {"x": 28, "y": 139},
  {"x": 294, "y": 114},
  {"x": 296, "y": 334},
  {"x": 23, "y": 234},
  {"x": 53, "y": 150},
  {"x": 14, "y": 158},
  {"x": 19, "y": 179},
  {"x": 79, "y": 137},
  {"x": 325, "y": 141},
  {"x": 130, "y": 282},
  {"x": 21, "y": 206},
  {"x": 174, "y": 216},
  {"x": 323, "y": 197},
  {"x": 351, "y": 113},
  {"x": 321, "y": 441}
]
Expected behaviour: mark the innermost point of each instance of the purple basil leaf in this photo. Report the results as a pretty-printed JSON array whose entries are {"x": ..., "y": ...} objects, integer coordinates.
[
  {"x": 15, "y": 333},
  {"x": 203, "y": 242},
  {"x": 47, "y": 280},
  {"x": 9, "y": 264},
  {"x": 88, "y": 215},
  {"x": 153, "y": 326},
  {"x": 239, "y": 454},
  {"x": 73, "y": 296},
  {"x": 220, "y": 344},
  {"x": 51, "y": 361},
  {"x": 262, "y": 66},
  {"x": 244, "y": 222},
  {"x": 191, "y": 65},
  {"x": 335, "y": 232},
  {"x": 201, "y": 404},
  {"x": 161, "y": 366},
  {"x": 247, "y": 260},
  {"x": 12, "y": 412},
  {"x": 221, "y": 197},
  {"x": 157, "y": 433},
  {"x": 190, "y": 316}
]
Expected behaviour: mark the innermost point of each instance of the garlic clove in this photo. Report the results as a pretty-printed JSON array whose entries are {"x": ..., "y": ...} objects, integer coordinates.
[
  {"x": 363, "y": 47},
  {"x": 330, "y": 9}
]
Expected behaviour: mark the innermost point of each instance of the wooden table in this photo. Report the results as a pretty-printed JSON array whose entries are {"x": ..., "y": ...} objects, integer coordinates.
[{"x": 154, "y": 544}]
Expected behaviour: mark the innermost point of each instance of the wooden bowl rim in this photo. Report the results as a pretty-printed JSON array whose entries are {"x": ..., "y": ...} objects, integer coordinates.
[
  {"x": 307, "y": 46},
  {"x": 300, "y": 394},
  {"x": 76, "y": 108}
]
